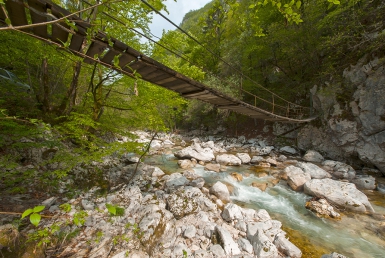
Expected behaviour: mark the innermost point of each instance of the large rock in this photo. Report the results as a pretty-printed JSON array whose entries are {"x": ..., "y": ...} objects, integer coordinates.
[
  {"x": 360, "y": 133},
  {"x": 231, "y": 212},
  {"x": 227, "y": 242},
  {"x": 245, "y": 245},
  {"x": 176, "y": 180},
  {"x": 286, "y": 247},
  {"x": 157, "y": 225},
  {"x": 197, "y": 152},
  {"x": 180, "y": 204},
  {"x": 322, "y": 208},
  {"x": 228, "y": 160},
  {"x": 339, "y": 170},
  {"x": 256, "y": 159},
  {"x": 265, "y": 150},
  {"x": 288, "y": 150},
  {"x": 244, "y": 157},
  {"x": 364, "y": 182},
  {"x": 186, "y": 163},
  {"x": 296, "y": 177},
  {"x": 263, "y": 247},
  {"x": 220, "y": 190},
  {"x": 313, "y": 156},
  {"x": 213, "y": 167},
  {"x": 315, "y": 171},
  {"x": 342, "y": 194}
]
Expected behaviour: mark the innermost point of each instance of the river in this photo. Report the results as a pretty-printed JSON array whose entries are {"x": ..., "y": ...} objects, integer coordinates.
[{"x": 354, "y": 235}]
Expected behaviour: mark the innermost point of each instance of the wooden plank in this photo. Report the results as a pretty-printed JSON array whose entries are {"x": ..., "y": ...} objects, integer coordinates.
[
  {"x": 193, "y": 94},
  {"x": 38, "y": 10},
  {"x": 96, "y": 48},
  {"x": 59, "y": 30},
  {"x": 146, "y": 70},
  {"x": 135, "y": 66},
  {"x": 173, "y": 83},
  {"x": 168, "y": 79},
  {"x": 133, "y": 52},
  {"x": 181, "y": 87},
  {"x": 117, "y": 48},
  {"x": 157, "y": 75},
  {"x": 124, "y": 59},
  {"x": 109, "y": 56},
  {"x": 79, "y": 37},
  {"x": 16, "y": 12}
]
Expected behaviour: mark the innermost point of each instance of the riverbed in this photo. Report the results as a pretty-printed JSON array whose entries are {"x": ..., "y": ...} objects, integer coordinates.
[{"x": 354, "y": 235}]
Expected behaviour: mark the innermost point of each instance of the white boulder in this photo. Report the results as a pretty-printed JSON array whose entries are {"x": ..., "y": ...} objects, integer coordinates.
[
  {"x": 288, "y": 149},
  {"x": 197, "y": 152},
  {"x": 228, "y": 160},
  {"x": 286, "y": 247},
  {"x": 244, "y": 157},
  {"x": 342, "y": 194},
  {"x": 315, "y": 171},
  {"x": 313, "y": 156},
  {"x": 296, "y": 177},
  {"x": 220, "y": 191},
  {"x": 231, "y": 212},
  {"x": 230, "y": 247},
  {"x": 339, "y": 170}
]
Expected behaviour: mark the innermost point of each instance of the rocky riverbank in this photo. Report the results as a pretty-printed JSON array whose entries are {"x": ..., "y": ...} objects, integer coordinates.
[{"x": 145, "y": 212}]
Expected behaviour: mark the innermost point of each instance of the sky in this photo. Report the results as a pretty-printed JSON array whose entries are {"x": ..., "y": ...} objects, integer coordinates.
[{"x": 176, "y": 10}]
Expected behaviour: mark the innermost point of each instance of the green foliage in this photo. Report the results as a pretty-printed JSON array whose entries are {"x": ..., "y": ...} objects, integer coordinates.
[
  {"x": 99, "y": 236},
  {"x": 80, "y": 218},
  {"x": 77, "y": 127},
  {"x": 135, "y": 229},
  {"x": 33, "y": 214},
  {"x": 115, "y": 210},
  {"x": 119, "y": 239},
  {"x": 44, "y": 236},
  {"x": 65, "y": 207}
]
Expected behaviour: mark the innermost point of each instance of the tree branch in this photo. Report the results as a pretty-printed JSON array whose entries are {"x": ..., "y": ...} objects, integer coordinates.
[{"x": 54, "y": 21}]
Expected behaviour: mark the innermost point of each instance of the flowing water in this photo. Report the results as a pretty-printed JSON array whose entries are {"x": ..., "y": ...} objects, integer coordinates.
[{"x": 355, "y": 235}]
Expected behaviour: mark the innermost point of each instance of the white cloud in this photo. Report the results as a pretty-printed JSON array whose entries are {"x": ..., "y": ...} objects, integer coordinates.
[{"x": 177, "y": 11}]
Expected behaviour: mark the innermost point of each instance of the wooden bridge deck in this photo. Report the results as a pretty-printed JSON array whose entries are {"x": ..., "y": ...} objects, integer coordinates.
[{"x": 106, "y": 49}]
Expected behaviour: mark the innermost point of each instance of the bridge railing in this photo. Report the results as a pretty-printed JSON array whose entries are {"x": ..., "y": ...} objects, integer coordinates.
[{"x": 277, "y": 105}]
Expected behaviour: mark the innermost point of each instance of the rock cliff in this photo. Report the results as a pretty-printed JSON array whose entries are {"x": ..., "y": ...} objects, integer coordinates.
[{"x": 352, "y": 116}]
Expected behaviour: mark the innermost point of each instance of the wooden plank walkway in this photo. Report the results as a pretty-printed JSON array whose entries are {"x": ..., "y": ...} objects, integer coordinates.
[{"x": 106, "y": 49}]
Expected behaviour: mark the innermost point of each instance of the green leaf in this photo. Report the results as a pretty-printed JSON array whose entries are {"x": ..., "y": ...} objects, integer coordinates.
[
  {"x": 251, "y": 6},
  {"x": 8, "y": 21},
  {"x": 38, "y": 208},
  {"x": 2, "y": 2},
  {"x": 298, "y": 4},
  {"x": 111, "y": 208},
  {"x": 26, "y": 213},
  {"x": 279, "y": 5},
  {"x": 35, "y": 219},
  {"x": 116, "y": 60}
]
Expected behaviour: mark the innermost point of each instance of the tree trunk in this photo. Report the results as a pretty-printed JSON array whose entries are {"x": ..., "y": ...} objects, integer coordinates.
[
  {"x": 45, "y": 86},
  {"x": 68, "y": 101}
]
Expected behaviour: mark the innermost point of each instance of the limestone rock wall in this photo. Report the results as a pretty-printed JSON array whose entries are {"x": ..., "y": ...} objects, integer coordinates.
[{"x": 352, "y": 126}]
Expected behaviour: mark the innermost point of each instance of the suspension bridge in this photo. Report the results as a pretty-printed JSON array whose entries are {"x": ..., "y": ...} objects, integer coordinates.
[{"x": 47, "y": 21}]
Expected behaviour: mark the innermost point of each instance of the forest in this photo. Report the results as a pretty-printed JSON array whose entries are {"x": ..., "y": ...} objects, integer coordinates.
[
  {"x": 285, "y": 46},
  {"x": 74, "y": 113}
]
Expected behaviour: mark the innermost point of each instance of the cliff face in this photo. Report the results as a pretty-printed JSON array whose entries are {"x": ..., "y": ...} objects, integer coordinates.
[{"x": 353, "y": 116}]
